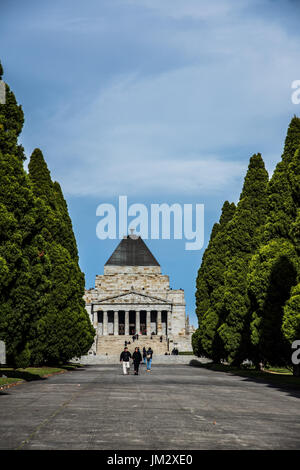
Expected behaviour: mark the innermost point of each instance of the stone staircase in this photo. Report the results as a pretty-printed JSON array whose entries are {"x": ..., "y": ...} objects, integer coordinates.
[{"x": 112, "y": 345}]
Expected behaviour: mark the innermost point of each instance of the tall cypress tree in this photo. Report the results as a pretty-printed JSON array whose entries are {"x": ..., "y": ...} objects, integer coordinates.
[
  {"x": 210, "y": 279},
  {"x": 64, "y": 329},
  {"x": 65, "y": 234},
  {"x": 275, "y": 266},
  {"x": 291, "y": 316},
  {"x": 243, "y": 240},
  {"x": 42, "y": 314},
  {"x": 17, "y": 224},
  {"x": 208, "y": 274}
]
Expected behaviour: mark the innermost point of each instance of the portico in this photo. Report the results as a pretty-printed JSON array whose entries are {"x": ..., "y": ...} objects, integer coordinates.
[{"x": 133, "y": 320}]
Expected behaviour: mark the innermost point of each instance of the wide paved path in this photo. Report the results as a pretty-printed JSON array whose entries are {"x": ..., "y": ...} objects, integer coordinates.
[{"x": 176, "y": 407}]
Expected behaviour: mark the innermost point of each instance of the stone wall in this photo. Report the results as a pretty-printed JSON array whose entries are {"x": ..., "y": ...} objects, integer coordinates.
[
  {"x": 178, "y": 311},
  {"x": 182, "y": 343},
  {"x": 157, "y": 360},
  {"x": 2, "y": 353},
  {"x": 137, "y": 281},
  {"x": 113, "y": 269},
  {"x": 2, "y": 92}
]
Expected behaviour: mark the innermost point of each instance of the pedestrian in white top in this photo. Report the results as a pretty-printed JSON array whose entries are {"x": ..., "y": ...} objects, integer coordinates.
[{"x": 125, "y": 358}]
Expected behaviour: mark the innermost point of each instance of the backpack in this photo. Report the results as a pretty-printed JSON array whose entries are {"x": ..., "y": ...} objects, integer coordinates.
[
  {"x": 149, "y": 356},
  {"x": 126, "y": 356}
]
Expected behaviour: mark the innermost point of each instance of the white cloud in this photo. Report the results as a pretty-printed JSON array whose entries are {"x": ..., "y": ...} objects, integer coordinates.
[
  {"x": 200, "y": 9},
  {"x": 57, "y": 23},
  {"x": 163, "y": 177},
  {"x": 173, "y": 131}
]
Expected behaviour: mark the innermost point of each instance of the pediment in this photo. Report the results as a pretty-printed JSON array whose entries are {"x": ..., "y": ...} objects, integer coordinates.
[{"x": 133, "y": 298}]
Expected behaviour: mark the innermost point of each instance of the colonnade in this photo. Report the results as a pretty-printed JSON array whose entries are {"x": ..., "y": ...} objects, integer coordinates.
[{"x": 129, "y": 322}]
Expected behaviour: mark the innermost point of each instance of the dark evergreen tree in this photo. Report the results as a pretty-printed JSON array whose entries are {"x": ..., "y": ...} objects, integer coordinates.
[
  {"x": 243, "y": 240},
  {"x": 291, "y": 316},
  {"x": 272, "y": 274},
  {"x": 253, "y": 310},
  {"x": 63, "y": 330},
  {"x": 11, "y": 124},
  {"x": 42, "y": 313},
  {"x": 209, "y": 281},
  {"x": 275, "y": 267},
  {"x": 65, "y": 235},
  {"x": 17, "y": 222},
  {"x": 282, "y": 207}
]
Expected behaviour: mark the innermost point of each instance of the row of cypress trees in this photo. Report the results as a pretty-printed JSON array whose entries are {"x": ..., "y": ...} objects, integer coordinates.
[
  {"x": 247, "y": 288},
  {"x": 42, "y": 311}
]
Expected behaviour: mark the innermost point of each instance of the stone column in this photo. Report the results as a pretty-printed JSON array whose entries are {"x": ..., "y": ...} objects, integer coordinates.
[
  {"x": 158, "y": 323},
  {"x": 95, "y": 318},
  {"x": 169, "y": 325},
  {"x": 116, "y": 323},
  {"x": 137, "y": 322},
  {"x": 127, "y": 322},
  {"x": 105, "y": 332},
  {"x": 148, "y": 322},
  {"x": 89, "y": 309}
]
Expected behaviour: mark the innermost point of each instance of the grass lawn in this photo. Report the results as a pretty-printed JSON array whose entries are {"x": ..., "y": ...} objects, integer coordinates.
[
  {"x": 31, "y": 373},
  {"x": 9, "y": 380},
  {"x": 279, "y": 370},
  {"x": 274, "y": 375}
]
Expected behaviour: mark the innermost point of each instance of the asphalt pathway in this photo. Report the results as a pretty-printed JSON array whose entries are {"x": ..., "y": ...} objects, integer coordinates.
[{"x": 172, "y": 407}]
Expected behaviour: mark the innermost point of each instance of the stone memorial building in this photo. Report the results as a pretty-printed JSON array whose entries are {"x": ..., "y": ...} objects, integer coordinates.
[{"x": 134, "y": 297}]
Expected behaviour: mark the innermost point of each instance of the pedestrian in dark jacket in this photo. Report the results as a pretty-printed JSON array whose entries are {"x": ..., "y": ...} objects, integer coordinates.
[
  {"x": 124, "y": 358},
  {"x": 149, "y": 355},
  {"x": 144, "y": 354},
  {"x": 137, "y": 359}
]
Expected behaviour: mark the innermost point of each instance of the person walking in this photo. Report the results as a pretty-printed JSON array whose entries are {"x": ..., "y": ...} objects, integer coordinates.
[
  {"x": 124, "y": 358},
  {"x": 137, "y": 359},
  {"x": 144, "y": 354},
  {"x": 149, "y": 359}
]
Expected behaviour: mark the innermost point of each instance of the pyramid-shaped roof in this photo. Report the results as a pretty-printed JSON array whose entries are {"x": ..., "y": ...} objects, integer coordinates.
[{"x": 132, "y": 251}]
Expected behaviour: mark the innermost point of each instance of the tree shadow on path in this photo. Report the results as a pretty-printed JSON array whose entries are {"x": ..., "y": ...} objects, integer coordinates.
[{"x": 281, "y": 382}]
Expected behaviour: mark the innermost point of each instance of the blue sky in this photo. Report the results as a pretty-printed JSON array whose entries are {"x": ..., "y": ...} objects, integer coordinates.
[{"x": 159, "y": 100}]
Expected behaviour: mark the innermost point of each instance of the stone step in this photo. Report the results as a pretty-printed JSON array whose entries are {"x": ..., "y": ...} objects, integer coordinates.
[{"x": 115, "y": 344}]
